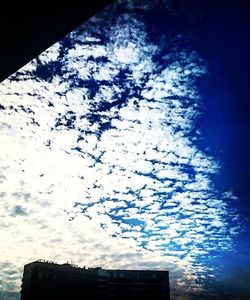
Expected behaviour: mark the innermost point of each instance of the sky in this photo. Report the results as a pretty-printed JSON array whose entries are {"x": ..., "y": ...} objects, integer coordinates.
[{"x": 126, "y": 145}]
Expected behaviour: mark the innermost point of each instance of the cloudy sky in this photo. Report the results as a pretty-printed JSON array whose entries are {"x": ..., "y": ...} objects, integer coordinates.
[{"x": 110, "y": 155}]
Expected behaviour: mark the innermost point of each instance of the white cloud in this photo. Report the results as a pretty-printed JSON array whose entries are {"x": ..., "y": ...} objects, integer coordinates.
[{"x": 89, "y": 137}]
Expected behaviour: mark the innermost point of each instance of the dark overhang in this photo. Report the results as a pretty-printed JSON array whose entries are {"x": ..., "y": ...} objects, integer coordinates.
[{"x": 26, "y": 31}]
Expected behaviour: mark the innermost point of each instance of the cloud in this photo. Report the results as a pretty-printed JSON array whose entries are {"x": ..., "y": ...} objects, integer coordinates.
[
  {"x": 102, "y": 151},
  {"x": 19, "y": 211},
  {"x": 12, "y": 275}
]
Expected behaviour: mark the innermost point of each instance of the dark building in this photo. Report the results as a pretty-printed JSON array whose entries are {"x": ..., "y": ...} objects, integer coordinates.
[
  {"x": 133, "y": 284},
  {"x": 47, "y": 280}
]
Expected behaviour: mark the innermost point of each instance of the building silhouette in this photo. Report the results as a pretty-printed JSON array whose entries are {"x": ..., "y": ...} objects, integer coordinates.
[{"x": 48, "y": 280}]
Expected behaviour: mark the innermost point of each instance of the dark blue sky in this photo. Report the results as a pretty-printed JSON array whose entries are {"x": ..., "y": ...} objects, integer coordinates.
[
  {"x": 222, "y": 38},
  {"x": 219, "y": 32},
  {"x": 220, "y": 35}
]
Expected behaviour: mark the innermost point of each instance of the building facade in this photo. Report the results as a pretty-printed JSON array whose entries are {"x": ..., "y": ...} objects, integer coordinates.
[{"x": 48, "y": 280}]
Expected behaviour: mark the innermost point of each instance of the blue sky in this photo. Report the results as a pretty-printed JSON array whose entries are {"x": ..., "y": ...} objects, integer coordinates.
[{"x": 123, "y": 147}]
